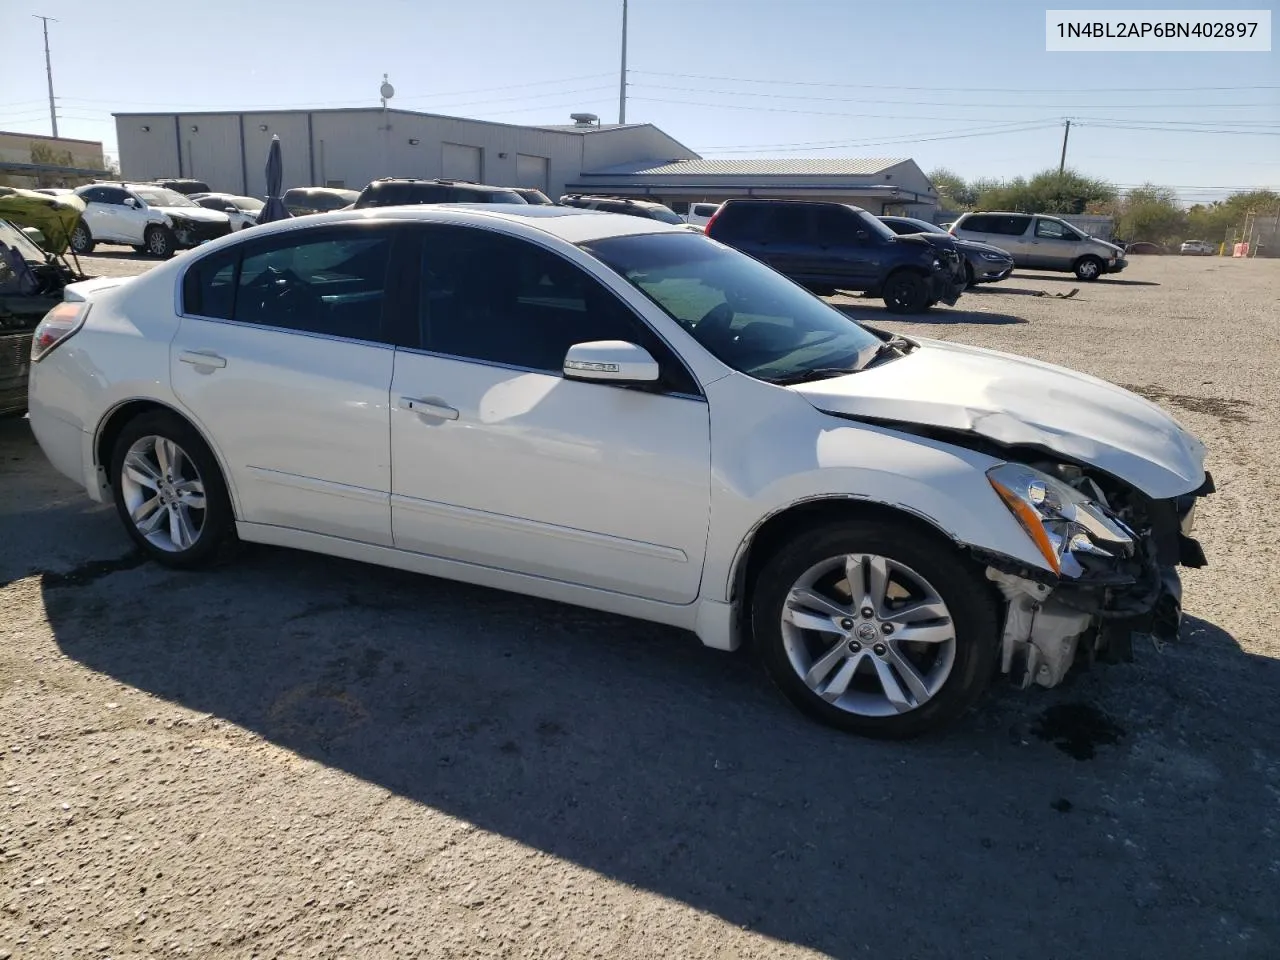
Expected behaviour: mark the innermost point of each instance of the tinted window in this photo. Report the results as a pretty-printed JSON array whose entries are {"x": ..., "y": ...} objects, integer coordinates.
[
  {"x": 1011, "y": 226},
  {"x": 94, "y": 195},
  {"x": 323, "y": 283},
  {"x": 752, "y": 318},
  {"x": 463, "y": 195},
  {"x": 705, "y": 209},
  {"x": 1053, "y": 230},
  {"x": 741, "y": 221},
  {"x": 979, "y": 223},
  {"x": 789, "y": 223},
  {"x": 209, "y": 287},
  {"x": 214, "y": 203},
  {"x": 490, "y": 297},
  {"x": 663, "y": 214},
  {"x": 900, "y": 227},
  {"x": 679, "y": 206},
  {"x": 394, "y": 194},
  {"x": 113, "y": 195},
  {"x": 834, "y": 227}
]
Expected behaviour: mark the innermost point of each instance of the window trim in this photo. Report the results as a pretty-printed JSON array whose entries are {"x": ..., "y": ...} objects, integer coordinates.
[
  {"x": 406, "y": 338},
  {"x": 393, "y": 299}
]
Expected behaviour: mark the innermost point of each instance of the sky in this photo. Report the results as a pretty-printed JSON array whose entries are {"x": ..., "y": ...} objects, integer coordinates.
[{"x": 962, "y": 84}]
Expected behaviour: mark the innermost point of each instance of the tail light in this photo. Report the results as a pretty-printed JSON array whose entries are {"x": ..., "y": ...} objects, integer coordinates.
[
  {"x": 58, "y": 324},
  {"x": 714, "y": 217}
]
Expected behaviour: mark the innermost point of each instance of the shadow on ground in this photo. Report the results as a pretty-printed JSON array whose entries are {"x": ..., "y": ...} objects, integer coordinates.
[
  {"x": 1071, "y": 278},
  {"x": 875, "y": 310},
  {"x": 631, "y": 750}
]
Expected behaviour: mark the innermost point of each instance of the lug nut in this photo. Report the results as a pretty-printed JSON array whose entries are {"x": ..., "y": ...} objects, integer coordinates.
[
  {"x": 846, "y": 624},
  {"x": 886, "y": 628},
  {"x": 867, "y": 613},
  {"x": 880, "y": 649},
  {"x": 854, "y": 646}
]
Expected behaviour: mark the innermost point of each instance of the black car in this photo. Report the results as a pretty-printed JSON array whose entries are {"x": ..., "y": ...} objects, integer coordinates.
[
  {"x": 835, "y": 246},
  {"x": 395, "y": 192},
  {"x": 183, "y": 185},
  {"x": 534, "y": 197},
  {"x": 631, "y": 208},
  {"x": 983, "y": 263},
  {"x": 302, "y": 201}
]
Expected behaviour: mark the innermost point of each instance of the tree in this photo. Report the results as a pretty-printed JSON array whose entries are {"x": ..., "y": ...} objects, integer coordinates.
[
  {"x": 45, "y": 154},
  {"x": 1214, "y": 221},
  {"x": 1151, "y": 213},
  {"x": 1046, "y": 192},
  {"x": 952, "y": 190}
]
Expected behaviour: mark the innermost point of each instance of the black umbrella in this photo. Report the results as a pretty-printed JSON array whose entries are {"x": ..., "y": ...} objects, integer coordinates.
[{"x": 274, "y": 209}]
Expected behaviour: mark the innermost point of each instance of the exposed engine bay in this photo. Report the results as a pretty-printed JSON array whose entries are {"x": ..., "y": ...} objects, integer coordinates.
[{"x": 1116, "y": 554}]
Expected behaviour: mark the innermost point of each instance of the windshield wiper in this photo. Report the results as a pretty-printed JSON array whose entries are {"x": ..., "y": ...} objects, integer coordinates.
[
  {"x": 891, "y": 349},
  {"x": 818, "y": 373}
]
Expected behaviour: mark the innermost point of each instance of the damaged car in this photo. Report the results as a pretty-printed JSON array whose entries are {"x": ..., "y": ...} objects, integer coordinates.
[
  {"x": 152, "y": 219},
  {"x": 616, "y": 413}
]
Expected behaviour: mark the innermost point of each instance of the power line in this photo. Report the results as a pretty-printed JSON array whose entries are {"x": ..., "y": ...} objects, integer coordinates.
[
  {"x": 903, "y": 141},
  {"x": 952, "y": 103},
  {"x": 1007, "y": 90}
]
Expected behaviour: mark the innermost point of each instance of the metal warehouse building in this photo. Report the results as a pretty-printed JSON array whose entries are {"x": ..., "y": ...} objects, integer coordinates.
[{"x": 350, "y": 147}]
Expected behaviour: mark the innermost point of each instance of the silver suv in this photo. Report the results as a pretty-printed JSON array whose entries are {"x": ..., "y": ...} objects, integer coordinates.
[{"x": 1039, "y": 242}]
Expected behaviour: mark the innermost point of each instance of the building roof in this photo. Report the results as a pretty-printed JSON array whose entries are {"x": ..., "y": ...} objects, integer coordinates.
[
  {"x": 593, "y": 128},
  {"x": 790, "y": 167}
]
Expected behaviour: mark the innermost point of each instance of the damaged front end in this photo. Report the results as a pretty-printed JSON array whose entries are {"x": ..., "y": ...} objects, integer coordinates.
[{"x": 1113, "y": 554}]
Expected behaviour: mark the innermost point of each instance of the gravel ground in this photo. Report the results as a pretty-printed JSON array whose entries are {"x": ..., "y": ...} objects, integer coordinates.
[{"x": 292, "y": 756}]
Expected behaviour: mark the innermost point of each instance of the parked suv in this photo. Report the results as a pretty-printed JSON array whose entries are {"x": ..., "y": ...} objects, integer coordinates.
[
  {"x": 631, "y": 208},
  {"x": 395, "y": 192},
  {"x": 835, "y": 246},
  {"x": 983, "y": 263},
  {"x": 1042, "y": 243},
  {"x": 1199, "y": 248},
  {"x": 151, "y": 219},
  {"x": 183, "y": 185}
]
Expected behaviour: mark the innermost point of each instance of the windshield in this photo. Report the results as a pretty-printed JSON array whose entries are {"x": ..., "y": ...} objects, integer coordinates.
[
  {"x": 664, "y": 215},
  {"x": 245, "y": 203},
  {"x": 923, "y": 226},
  {"x": 161, "y": 197},
  {"x": 753, "y": 319}
]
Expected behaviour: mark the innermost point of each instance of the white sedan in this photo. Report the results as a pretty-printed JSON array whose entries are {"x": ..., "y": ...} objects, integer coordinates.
[
  {"x": 241, "y": 211},
  {"x": 609, "y": 411}
]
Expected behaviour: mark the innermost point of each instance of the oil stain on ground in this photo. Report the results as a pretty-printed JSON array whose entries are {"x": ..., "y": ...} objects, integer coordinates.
[
  {"x": 1077, "y": 729},
  {"x": 1228, "y": 411}
]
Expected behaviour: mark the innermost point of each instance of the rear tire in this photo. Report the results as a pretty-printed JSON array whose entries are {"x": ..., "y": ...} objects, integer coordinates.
[
  {"x": 969, "y": 280},
  {"x": 1088, "y": 269},
  {"x": 895, "y": 687},
  {"x": 169, "y": 491},
  {"x": 906, "y": 292},
  {"x": 82, "y": 242}
]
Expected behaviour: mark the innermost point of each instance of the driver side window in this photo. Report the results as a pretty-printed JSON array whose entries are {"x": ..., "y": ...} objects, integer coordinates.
[{"x": 1052, "y": 230}]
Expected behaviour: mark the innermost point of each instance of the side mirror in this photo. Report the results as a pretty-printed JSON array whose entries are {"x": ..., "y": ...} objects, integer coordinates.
[
  {"x": 610, "y": 361},
  {"x": 130, "y": 202},
  {"x": 229, "y": 209}
]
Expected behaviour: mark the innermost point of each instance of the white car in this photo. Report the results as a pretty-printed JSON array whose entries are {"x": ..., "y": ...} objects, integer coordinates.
[
  {"x": 241, "y": 211},
  {"x": 700, "y": 214},
  {"x": 149, "y": 218},
  {"x": 1199, "y": 248},
  {"x": 609, "y": 411}
]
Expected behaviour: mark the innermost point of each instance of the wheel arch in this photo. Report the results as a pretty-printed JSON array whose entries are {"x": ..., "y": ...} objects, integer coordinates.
[
  {"x": 763, "y": 540},
  {"x": 119, "y": 416}
]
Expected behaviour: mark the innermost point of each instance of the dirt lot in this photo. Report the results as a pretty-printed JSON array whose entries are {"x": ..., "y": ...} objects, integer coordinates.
[{"x": 292, "y": 756}]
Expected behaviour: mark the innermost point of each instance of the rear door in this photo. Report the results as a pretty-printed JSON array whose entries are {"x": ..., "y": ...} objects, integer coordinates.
[
  {"x": 785, "y": 241},
  {"x": 105, "y": 213},
  {"x": 284, "y": 358}
]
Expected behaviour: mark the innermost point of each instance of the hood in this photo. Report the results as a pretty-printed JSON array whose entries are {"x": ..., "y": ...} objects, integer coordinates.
[
  {"x": 199, "y": 214},
  {"x": 973, "y": 246},
  {"x": 1016, "y": 401}
]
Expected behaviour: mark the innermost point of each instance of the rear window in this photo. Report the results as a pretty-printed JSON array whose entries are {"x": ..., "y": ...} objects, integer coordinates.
[
  {"x": 396, "y": 194},
  {"x": 1009, "y": 225},
  {"x": 740, "y": 221},
  {"x": 464, "y": 195}
]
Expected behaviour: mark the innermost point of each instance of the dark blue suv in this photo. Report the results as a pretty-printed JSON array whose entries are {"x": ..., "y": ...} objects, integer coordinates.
[{"x": 834, "y": 246}]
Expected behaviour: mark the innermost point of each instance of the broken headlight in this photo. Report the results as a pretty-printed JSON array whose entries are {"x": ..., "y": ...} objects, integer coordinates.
[{"x": 1062, "y": 522}]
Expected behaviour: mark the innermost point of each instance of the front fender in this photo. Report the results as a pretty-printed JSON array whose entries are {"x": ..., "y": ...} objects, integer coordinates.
[{"x": 796, "y": 454}]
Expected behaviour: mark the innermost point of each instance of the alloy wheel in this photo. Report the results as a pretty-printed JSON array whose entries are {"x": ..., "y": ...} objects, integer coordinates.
[
  {"x": 868, "y": 634},
  {"x": 163, "y": 493},
  {"x": 157, "y": 243}
]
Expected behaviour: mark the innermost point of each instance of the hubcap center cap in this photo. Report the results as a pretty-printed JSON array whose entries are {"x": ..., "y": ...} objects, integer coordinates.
[{"x": 866, "y": 632}]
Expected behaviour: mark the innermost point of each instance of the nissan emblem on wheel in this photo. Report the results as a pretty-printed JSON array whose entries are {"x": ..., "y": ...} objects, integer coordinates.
[{"x": 616, "y": 412}]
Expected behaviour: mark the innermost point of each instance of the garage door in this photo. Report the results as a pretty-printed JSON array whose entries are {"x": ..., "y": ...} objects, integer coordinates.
[
  {"x": 531, "y": 171},
  {"x": 459, "y": 162}
]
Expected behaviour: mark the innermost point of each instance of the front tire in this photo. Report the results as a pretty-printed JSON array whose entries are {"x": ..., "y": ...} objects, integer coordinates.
[
  {"x": 82, "y": 242},
  {"x": 875, "y": 628},
  {"x": 906, "y": 292},
  {"x": 1088, "y": 269},
  {"x": 970, "y": 281},
  {"x": 160, "y": 241},
  {"x": 169, "y": 491}
]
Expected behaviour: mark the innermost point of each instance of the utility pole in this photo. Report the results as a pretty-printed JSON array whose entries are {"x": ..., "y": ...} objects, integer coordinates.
[
  {"x": 622, "y": 79},
  {"x": 48, "y": 69},
  {"x": 1062, "y": 161}
]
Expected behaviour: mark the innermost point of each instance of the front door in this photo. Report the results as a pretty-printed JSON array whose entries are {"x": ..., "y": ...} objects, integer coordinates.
[
  {"x": 1053, "y": 244},
  {"x": 104, "y": 212},
  {"x": 843, "y": 249},
  {"x": 499, "y": 460},
  {"x": 282, "y": 357}
]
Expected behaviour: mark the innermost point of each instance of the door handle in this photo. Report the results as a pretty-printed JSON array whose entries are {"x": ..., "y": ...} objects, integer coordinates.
[
  {"x": 200, "y": 358},
  {"x": 429, "y": 407}
]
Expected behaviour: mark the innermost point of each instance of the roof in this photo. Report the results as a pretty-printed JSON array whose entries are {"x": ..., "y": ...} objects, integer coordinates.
[
  {"x": 790, "y": 167},
  {"x": 593, "y": 128},
  {"x": 570, "y": 224}
]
